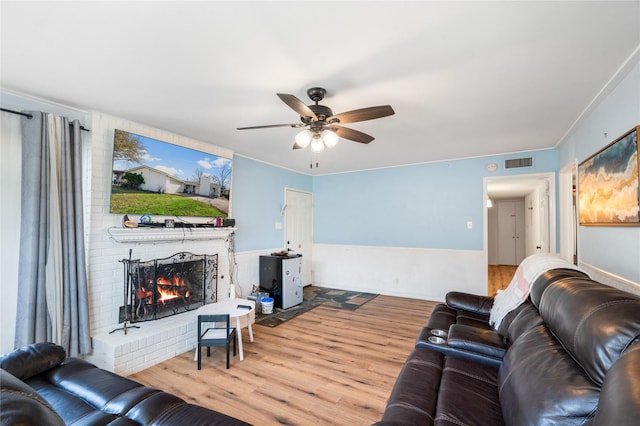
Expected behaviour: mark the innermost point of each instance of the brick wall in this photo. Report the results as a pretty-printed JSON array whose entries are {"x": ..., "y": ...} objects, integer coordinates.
[{"x": 158, "y": 340}]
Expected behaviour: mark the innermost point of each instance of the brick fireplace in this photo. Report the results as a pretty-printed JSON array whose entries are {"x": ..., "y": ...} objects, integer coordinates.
[
  {"x": 167, "y": 330},
  {"x": 108, "y": 243}
]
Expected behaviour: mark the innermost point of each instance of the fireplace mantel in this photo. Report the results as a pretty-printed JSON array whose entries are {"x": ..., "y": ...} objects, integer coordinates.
[{"x": 153, "y": 235}]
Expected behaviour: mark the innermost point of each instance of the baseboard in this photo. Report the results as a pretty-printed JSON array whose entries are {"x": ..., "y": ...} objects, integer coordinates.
[{"x": 610, "y": 279}]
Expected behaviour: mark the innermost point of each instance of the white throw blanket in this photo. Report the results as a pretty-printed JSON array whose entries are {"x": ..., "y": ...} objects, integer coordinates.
[{"x": 529, "y": 270}]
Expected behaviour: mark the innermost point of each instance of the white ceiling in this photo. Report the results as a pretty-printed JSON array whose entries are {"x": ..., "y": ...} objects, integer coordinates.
[
  {"x": 514, "y": 186},
  {"x": 465, "y": 78}
]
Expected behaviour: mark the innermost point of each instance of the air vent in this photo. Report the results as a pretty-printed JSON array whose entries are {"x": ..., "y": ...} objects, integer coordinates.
[{"x": 518, "y": 162}]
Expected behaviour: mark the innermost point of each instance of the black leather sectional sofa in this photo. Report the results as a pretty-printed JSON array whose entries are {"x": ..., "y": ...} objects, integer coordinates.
[
  {"x": 569, "y": 355},
  {"x": 41, "y": 386}
]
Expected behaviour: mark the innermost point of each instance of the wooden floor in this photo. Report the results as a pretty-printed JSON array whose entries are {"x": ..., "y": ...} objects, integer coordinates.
[
  {"x": 327, "y": 367},
  {"x": 499, "y": 277}
]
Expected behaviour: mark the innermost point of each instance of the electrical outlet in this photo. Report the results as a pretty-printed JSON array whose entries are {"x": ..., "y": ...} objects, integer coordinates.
[{"x": 469, "y": 225}]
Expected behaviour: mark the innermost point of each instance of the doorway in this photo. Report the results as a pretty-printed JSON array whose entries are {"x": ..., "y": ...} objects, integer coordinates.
[
  {"x": 298, "y": 219},
  {"x": 521, "y": 221},
  {"x": 568, "y": 214}
]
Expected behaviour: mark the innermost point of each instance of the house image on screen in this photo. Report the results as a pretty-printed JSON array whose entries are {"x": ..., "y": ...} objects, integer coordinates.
[{"x": 164, "y": 183}]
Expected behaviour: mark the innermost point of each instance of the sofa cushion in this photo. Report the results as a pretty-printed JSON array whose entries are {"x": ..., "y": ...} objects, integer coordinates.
[
  {"x": 96, "y": 386},
  {"x": 193, "y": 415},
  {"x": 78, "y": 390},
  {"x": 33, "y": 359},
  {"x": 620, "y": 395},
  {"x": 468, "y": 394},
  {"x": 540, "y": 383},
  {"x": 594, "y": 322},
  {"x": 415, "y": 393},
  {"x": 21, "y": 404},
  {"x": 155, "y": 405}
]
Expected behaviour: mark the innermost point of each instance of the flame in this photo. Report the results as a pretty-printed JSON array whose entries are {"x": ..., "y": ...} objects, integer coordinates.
[{"x": 168, "y": 288}]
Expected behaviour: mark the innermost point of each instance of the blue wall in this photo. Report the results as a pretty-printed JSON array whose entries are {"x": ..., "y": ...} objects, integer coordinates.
[
  {"x": 609, "y": 248},
  {"x": 258, "y": 196},
  {"x": 424, "y": 206}
]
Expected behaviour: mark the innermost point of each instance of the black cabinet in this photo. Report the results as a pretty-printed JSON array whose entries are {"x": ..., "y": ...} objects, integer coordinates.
[{"x": 281, "y": 277}]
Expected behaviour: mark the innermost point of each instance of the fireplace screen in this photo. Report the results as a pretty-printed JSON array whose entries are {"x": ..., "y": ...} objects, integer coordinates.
[{"x": 160, "y": 288}]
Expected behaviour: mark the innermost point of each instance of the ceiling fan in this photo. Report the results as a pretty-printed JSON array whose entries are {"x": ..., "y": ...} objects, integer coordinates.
[{"x": 322, "y": 127}]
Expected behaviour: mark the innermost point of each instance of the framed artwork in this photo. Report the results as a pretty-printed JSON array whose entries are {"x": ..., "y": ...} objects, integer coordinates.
[{"x": 608, "y": 193}]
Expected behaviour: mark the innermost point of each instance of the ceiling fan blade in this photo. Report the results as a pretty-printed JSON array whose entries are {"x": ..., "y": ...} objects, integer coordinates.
[
  {"x": 363, "y": 114},
  {"x": 353, "y": 135},
  {"x": 297, "y": 105},
  {"x": 266, "y": 126}
]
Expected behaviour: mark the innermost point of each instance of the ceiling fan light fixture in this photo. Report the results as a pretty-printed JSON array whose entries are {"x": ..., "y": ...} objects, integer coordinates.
[
  {"x": 317, "y": 145},
  {"x": 330, "y": 138},
  {"x": 303, "y": 138}
]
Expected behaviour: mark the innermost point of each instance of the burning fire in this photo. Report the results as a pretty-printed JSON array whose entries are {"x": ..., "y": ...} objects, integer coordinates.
[{"x": 170, "y": 288}]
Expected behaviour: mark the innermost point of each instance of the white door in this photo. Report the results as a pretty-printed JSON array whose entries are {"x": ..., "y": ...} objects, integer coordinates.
[
  {"x": 511, "y": 232},
  {"x": 544, "y": 213},
  {"x": 299, "y": 228}
]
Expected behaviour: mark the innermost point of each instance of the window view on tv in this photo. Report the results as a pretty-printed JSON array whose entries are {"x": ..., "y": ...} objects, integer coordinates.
[{"x": 158, "y": 178}]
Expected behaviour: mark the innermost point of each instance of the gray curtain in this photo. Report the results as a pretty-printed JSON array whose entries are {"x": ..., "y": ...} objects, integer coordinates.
[{"x": 53, "y": 300}]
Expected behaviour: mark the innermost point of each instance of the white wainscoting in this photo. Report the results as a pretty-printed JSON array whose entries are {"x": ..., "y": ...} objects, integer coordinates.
[
  {"x": 247, "y": 271},
  {"x": 426, "y": 274}
]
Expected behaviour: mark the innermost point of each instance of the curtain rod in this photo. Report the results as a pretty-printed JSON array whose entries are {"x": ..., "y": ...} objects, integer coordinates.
[{"x": 29, "y": 116}]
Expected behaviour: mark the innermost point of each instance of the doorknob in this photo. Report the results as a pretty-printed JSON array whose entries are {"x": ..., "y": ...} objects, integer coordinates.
[{"x": 539, "y": 247}]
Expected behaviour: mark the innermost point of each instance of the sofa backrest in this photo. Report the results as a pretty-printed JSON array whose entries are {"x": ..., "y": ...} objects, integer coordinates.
[
  {"x": 595, "y": 323},
  {"x": 21, "y": 405},
  {"x": 527, "y": 318},
  {"x": 553, "y": 372},
  {"x": 547, "y": 278},
  {"x": 33, "y": 359}
]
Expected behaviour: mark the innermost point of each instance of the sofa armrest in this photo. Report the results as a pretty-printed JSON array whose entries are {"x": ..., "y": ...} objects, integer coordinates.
[
  {"x": 484, "y": 342},
  {"x": 469, "y": 302},
  {"x": 33, "y": 359}
]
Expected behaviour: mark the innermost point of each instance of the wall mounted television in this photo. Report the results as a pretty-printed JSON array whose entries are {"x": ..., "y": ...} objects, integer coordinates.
[{"x": 152, "y": 177}]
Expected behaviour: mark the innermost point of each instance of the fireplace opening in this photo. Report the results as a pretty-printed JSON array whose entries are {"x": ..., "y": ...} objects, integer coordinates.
[{"x": 159, "y": 288}]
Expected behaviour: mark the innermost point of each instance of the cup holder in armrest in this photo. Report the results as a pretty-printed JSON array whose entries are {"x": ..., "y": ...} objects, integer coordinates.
[
  {"x": 439, "y": 333},
  {"x": 437, "y": 340}
]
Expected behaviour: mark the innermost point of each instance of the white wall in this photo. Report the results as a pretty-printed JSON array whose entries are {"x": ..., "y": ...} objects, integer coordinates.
[
  {"x": 10, "y": 161},
  {"x": 105, "y": 269}
]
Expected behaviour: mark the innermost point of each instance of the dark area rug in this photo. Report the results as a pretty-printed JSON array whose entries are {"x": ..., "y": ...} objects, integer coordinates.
[{"x": 312, "y": 297}]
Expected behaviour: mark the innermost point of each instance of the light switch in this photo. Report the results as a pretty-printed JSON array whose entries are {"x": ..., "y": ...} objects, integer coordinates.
[{"x": 469, "y": 225}]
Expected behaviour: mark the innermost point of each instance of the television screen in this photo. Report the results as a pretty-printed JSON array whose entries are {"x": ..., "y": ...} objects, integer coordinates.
[{"x": 159, "y": 178}]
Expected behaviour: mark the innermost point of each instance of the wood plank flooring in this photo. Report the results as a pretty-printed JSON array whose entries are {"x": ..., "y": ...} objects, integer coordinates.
[
  {"x": 325, "y": 367},
  {"x": 499, "y": 277}
]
